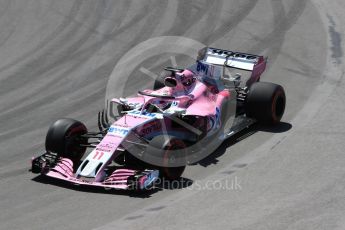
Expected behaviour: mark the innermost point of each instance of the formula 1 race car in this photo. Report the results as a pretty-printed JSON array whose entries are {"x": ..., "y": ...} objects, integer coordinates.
[{"x": 156, "y": 133}]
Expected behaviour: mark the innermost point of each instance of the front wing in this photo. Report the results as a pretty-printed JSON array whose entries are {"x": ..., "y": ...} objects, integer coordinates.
[{"x": 60, "y": 168}]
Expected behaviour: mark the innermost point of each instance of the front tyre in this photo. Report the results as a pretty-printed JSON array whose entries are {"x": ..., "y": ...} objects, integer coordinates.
[
  {"x": 169, "y": 146},
  {"x": 64, "y": 137},
  {"x": 265, "y": 102}
]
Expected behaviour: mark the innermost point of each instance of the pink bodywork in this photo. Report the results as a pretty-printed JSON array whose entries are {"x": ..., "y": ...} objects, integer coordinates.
[
  {"x": 198, "y": 99},
  {"x": 104, "y": 152},
  {"x": 64, "y": 171}
]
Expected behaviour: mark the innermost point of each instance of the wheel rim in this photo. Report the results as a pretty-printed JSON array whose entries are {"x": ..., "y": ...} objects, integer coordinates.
[
  {"x": 73, "y": 142},
  {"x": 172, "y": 172}
]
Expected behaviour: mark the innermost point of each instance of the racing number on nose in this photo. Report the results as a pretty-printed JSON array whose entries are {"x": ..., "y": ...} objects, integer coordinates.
[{"x": 96, "y": 155}]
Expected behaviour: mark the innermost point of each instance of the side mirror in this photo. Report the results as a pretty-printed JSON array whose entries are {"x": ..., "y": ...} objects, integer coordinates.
[{"x": 170, "y": 82}]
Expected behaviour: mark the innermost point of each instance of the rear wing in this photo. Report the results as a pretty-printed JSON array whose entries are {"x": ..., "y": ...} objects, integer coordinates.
[{"x": 229, "y": 58}]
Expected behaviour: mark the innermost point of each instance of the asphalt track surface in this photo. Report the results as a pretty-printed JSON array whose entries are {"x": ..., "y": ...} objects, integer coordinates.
[{"x": 56, "y": 59}]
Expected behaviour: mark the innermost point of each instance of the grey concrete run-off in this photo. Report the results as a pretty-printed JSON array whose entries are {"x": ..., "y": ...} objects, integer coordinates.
[{"x": 56, "y": 58}]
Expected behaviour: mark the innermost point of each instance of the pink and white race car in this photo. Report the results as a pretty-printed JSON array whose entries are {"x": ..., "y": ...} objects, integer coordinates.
[{"x": 156, "y": 133}]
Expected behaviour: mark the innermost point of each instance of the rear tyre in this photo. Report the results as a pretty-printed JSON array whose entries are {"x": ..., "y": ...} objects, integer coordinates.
[
  {"x": 266, "y": 102},
  {"x": 64, "y": 138}
]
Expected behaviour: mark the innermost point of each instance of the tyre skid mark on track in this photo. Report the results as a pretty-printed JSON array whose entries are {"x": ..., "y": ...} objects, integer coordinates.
[
  {"x": 336, "y": 40},
  {"x": 66, "y": 22},
  {"x": 76, "y": 55},
  {"x": 273, "y": 41},
  {"x": 5, "y": 34},
  {"x": 232, "y": 22}
]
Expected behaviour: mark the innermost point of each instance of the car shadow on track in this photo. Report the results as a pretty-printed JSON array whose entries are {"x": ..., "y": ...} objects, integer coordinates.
[
  {"x": 174, "y": 184},
  {"x": 213, "y": 158},
  {"x": 82, "y": 188},
  {"x": 159, "y": 185}
]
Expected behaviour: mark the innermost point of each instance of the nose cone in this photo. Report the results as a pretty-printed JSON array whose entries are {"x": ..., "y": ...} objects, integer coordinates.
[
  {"x": 93, "y": 165},
  {"x": 90, "y": 168}
]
